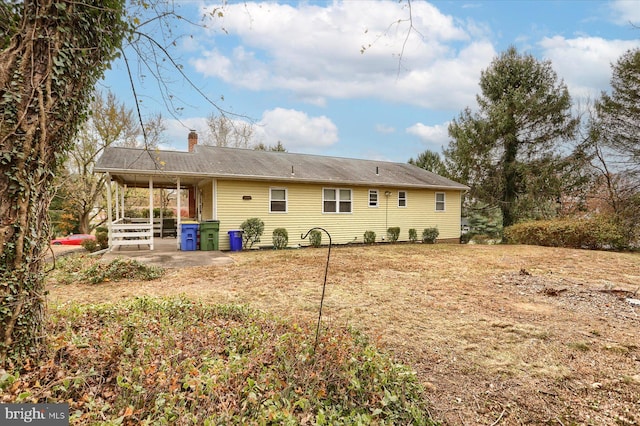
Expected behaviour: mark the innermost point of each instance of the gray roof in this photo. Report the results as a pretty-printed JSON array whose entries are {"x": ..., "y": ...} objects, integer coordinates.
[{"x": 248, "y": 164}]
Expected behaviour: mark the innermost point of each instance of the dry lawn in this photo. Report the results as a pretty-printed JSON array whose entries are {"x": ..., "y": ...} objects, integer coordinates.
[{"x": 497, "y": 334}]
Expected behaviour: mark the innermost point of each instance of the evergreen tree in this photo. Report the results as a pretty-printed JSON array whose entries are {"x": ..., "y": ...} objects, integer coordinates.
[
  {"x": 619, "y": 112},
  {"x": 430, "y": 161},
  {"x": 278, "y": 147},
  {"x": 615, "y": 144},
  {"x": 506, "y": 152}
]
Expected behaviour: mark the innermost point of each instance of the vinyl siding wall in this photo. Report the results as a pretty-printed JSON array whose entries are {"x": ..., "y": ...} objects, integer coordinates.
[{"x": 304, "y": 211}]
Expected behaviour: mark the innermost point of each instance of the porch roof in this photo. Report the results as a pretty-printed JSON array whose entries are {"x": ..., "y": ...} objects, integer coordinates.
[{"x": 127, "y": 165}]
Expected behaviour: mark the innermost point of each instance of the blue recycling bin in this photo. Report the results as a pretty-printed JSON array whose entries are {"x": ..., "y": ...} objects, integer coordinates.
[
  {"x": 189, "y": 236},
  {"x": 235, "y": 239}
]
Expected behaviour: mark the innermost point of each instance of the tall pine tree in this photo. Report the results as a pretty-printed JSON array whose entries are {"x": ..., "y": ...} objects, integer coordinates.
[
  {"x": 619, "y": 112},
  {"x": 615, "y": 141},
  {"x": 507, "y": 151}
]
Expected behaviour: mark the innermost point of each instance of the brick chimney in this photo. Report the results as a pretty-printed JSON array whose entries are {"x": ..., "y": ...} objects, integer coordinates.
[{"x": 193, "y": 140}]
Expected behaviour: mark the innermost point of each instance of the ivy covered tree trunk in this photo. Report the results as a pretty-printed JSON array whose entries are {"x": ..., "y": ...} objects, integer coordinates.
[{"x": 52, "y": 52}]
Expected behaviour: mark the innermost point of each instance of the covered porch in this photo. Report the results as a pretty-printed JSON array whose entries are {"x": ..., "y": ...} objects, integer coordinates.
[{"x": 145, "y": 233}]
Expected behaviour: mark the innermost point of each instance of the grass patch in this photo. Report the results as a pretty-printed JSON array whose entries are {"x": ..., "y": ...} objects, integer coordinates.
[
  {"x": 618, "y": 349},
  {"x": 452, "y": 312},
  {"x": 82, "y": 268},
  {"x": 580, "y": 346},
  {"x": 171, "y": 360}
]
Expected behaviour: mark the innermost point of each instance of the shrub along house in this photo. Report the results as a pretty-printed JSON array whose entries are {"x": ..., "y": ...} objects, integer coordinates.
[{"x": 293, "y": 191}]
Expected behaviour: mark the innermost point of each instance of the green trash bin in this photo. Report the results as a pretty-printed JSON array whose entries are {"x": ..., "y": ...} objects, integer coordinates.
[{"x": 209, "y": 231}]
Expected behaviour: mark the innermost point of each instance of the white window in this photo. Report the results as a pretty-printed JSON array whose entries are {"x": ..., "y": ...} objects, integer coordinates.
[
  {"x": 440, "y": 201},
  {"x": 336, "y": 200},
  {"x": 402, "y": 198},
  {"x": 278, "y": 200},
  {"x": 373, "y": 198}
]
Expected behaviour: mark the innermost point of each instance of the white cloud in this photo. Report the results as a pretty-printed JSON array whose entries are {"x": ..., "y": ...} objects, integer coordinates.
[
  {"x": 626, "y": 12},
  {"x": 435, "y": 137},
  {"x": 315, "y": 52},
  {"x": 178, "y": 131},
  {"x": 449, "y": 82},
  {"x": 584, "y": 62},
  {"x": 214, "y": 64},
  {"x": 295, "y": 129},
  {"x": 383, "y": 128},
  {"x": 189, "y": 44}
]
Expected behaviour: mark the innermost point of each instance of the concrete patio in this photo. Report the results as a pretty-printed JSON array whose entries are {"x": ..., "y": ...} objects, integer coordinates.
[{"x": 166, "y": 254}]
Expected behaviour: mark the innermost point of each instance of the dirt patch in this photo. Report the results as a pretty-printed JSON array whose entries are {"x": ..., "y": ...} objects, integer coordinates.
[{"x": 498, "y": 334}]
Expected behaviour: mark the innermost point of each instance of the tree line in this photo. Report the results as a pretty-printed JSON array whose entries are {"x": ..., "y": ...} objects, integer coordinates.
[
  {"x": 527, "y": 152},
  {"x": 79, "y": 201}
]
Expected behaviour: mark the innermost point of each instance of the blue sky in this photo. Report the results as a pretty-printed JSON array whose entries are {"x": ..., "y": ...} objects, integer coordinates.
[{"x": 297, "y": 70}]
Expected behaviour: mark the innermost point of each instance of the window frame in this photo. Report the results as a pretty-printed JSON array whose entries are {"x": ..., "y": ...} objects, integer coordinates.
[
  {"x": 272, "y": 200},
  {"x": 377, "y": 194},
  {"x": 402, "y": 199},
  {"x": 337, "y": 201},
  {"x": 443, "y": 202}
]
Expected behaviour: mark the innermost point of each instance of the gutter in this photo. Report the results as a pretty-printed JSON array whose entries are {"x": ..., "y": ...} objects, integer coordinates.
[{"x": 263, "y": 178}]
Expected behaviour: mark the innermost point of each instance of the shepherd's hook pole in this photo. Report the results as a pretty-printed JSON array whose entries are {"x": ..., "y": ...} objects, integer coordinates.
[{"x": 324, "y": 285}]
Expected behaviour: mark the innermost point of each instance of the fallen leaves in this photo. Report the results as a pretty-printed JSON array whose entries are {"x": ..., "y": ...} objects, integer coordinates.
[{"x": 434, "y": 306}]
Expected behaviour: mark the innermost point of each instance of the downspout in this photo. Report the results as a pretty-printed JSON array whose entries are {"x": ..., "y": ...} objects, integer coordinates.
[
  {"x": 386, "y": 211},
  {"x": 178, "y": 227},
  {"x": 215, "y": 199}
]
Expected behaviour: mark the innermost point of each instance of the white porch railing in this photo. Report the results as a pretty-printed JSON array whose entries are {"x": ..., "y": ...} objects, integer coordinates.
[{"x": 130, "y": 234}]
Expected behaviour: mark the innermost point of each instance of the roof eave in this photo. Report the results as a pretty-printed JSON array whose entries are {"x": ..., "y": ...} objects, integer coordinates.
[{"x": 114, "y": 171}]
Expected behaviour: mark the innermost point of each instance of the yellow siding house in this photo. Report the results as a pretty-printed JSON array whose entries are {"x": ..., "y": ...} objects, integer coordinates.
[{"x": 294, "y": 191}]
